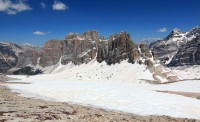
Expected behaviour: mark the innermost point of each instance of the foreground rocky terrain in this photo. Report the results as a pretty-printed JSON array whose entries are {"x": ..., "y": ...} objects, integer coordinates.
[{"x": 15, "y": 108}]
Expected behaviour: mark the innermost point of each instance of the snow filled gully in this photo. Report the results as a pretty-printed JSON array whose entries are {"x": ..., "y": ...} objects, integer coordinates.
[{"x": 139, "y": 99}]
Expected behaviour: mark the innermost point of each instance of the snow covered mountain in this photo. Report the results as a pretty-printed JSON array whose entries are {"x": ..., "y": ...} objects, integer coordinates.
[
  {"x": 188, "y": 54},
  {"x": 175, "y": 44}
]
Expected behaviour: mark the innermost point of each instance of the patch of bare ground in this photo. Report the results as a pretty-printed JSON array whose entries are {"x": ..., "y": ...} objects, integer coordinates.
[
  {"x": 186, "y": 94},
  {"x": 2, "y": 82}
]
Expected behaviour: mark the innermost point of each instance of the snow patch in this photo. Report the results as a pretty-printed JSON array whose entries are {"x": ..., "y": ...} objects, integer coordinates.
[{"x": 118, "y": 96}]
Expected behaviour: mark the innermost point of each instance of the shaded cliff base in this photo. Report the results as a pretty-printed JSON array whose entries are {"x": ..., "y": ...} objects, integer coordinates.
[{"x": 17, "y": 108}]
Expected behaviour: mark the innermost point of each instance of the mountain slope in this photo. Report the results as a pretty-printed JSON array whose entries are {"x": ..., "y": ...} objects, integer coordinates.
[
  {"x": 188, "y": 54},
  {"x": 8, "y": 55},
  {"x": 173, "y": 44}
]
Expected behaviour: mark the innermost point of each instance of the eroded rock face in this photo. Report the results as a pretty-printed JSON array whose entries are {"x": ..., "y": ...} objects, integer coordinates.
[
  {"x": 117, "y": 48},
  {"x": 134, "y": 55},
  {"x": 79, "y": 48},
  {"x": 189, "y": 54},
  {"x": 51, "y": 53}
]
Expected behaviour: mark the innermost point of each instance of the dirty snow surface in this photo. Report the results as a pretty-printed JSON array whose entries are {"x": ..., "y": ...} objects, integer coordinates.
[{"x": 128, "y": 97}]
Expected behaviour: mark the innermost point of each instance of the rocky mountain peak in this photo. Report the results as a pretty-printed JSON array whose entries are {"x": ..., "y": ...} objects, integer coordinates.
[
  {"x": 72, "y": 36},
  {"x": 176, "y": 33},
  {"x": 89, "y": 35},
  {"x": 121, "y": 36},
  {"x": 93, "y": 34},
  {"x": 194, "y": 32}
]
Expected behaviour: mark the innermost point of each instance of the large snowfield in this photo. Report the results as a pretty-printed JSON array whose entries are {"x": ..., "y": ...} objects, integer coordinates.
[{"x": 123, "y": 92}]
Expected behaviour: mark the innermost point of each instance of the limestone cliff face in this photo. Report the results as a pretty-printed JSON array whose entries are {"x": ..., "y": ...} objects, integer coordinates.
[
  {"x": 117, "y": 48},
  {"x": 79, "y": 49},
  {"x": 82, "y": 48},
  {"x": 51, "y": 53}
]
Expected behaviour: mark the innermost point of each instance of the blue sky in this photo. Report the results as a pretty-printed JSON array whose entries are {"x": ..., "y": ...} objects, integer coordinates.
[{"x": 37, "y": 21}]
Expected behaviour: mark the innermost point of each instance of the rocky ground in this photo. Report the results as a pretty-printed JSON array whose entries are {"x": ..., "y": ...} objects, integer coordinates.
[{"x": 16, "y": 108}]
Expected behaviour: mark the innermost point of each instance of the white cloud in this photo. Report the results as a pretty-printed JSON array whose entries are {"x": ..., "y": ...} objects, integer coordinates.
[
  {"x": 162, "y": 30},
  {"x": 43, "y": 5},
  {"x": 12, "y": 8},
  {"x": 39, "y": 33},
  {"x": 59, "y": 6}
]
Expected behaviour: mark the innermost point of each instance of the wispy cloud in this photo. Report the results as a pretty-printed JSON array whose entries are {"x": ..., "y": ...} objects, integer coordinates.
[
  {"x": 40, "y": 33},
  {"x": 59, "y": 6},
  {"x": 12, "y": 8},
  {"x": 162, "y": 30},
  {"x": 43, "y": 5}
]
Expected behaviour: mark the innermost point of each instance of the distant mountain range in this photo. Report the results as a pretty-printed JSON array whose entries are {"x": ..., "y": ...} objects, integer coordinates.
[
  {"x": 76, "y": 48},
  {"x": 179, "y": 48}
]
